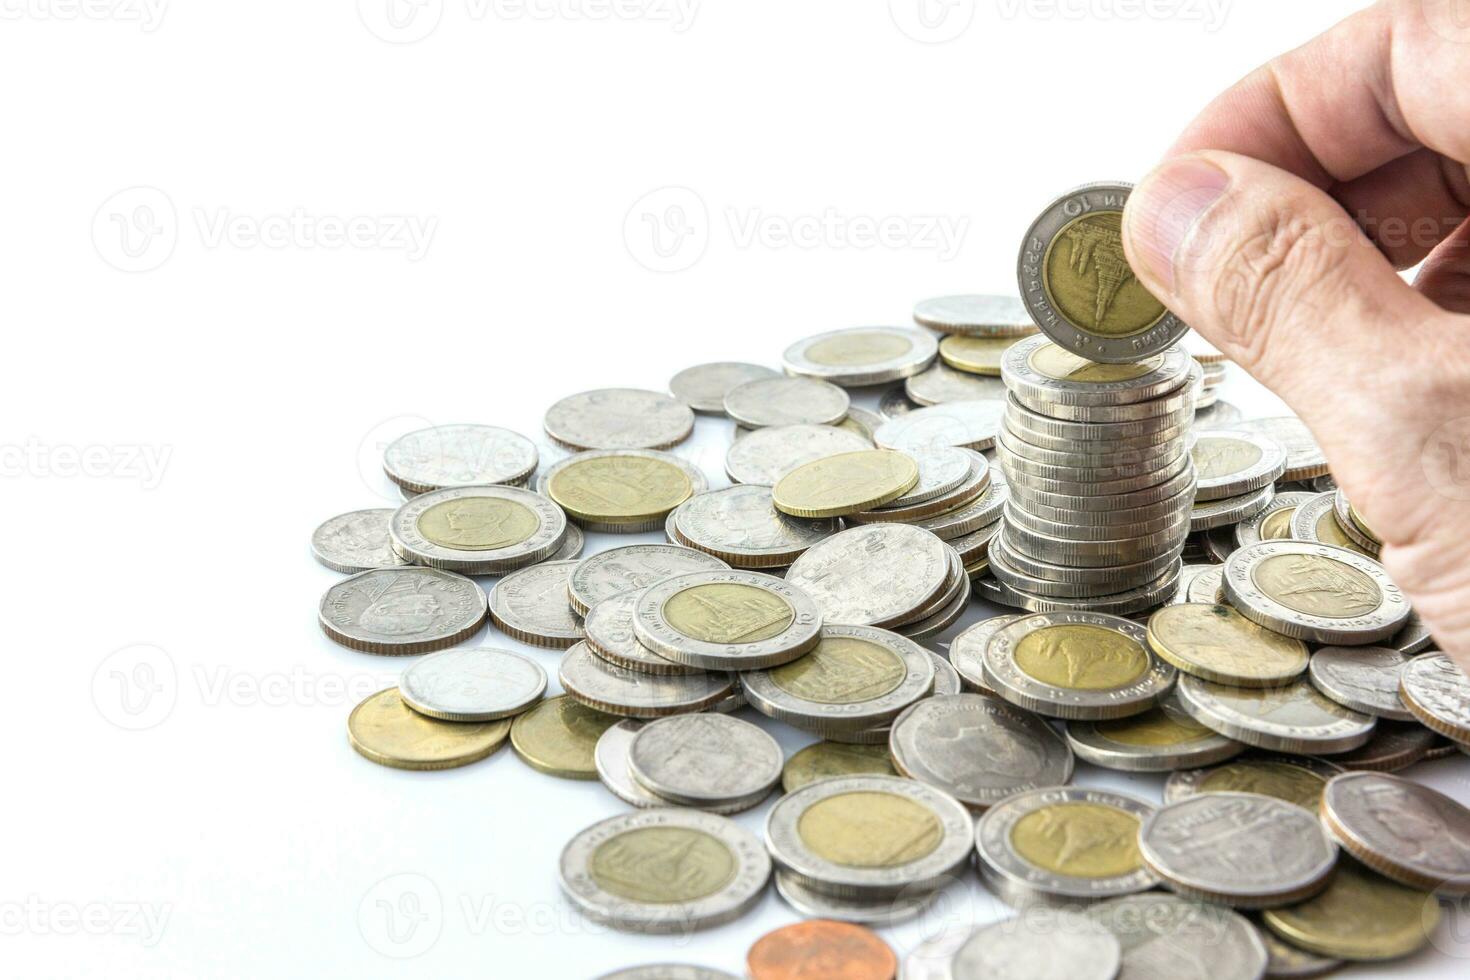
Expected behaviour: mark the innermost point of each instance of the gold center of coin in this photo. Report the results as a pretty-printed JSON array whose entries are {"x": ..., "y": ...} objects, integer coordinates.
[
  {"x": 1220, "y": 641},
  {"x": 478, "y": 523},
  {"x": 848, "y": 480},
  {"x": 869, "y": 830},
  {"x": 976, "y": 353},
  {"x": 1285, "y": 782},
  {"x": 858, "y": 348},
  {"x": 1082, "y": 840},
  {"x": 1331, "y": 532},
  {"x": 1084, "y": 658},
  {"x": 1157, "y": 726},
  {"x": 662, "y": 865},
  {"x": 561, "y": 734},
  {"x": 614, "y": 488},
  {"x": 1062, "y": 365},
  {"x": 1317, "y": 586},
  {"x": 842, "y": 670},
  {"x": 1277, "y": 525},
  {"x": 1360, "y": 915},
  {"x": 1090, "y": 281},
  {"x": 728, "y": 612},
  {"x": 824, "y": 760},
  {"x": 1215, "y": 456}
]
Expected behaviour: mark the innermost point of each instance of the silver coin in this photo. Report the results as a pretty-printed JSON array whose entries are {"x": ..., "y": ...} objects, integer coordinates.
[
  {"x": 632, "y": 568},
  {"x": 931, "y": 958},
  {"x": 967, "y": 651},
  {"x": 1285, "y": 962},
  {"x": 1217, "y": 414},
  {"x": 1239, "y": 849},
  {"x": 941, "y": 470},
  {"x": 571, "y": 545},
  {"x": 1091, "y": 438},
  {"x": 531, "y": 605},
  {"x": 611, "y": 758},
  {"x": 1322, "y": 484},
  {"x": 1163, "y": 739},
  {"x": 1011, "y": 585},
  {"x": 459, "y": 455},
  {"x": 895, "y": 402},
  {"x": 916, "y": 810},
  {"x": 861, "y": 422},
  {"x": 1395, "y": 745},
  {"x": 628, "y": 693},
  {"x": 976, "y": 316},
  {"x": 1061, "y": 946},
  {"x": 1437, "y": 691},
  {"x": 1274, "y": 522},
  {"x": 1315, "y": 520},
  {"x": 1402, "y": 829},
  {"x": 619, "y": 418},
  {"x": 603, "y": 867},
  {"x": 1187, "y": 575},
  {"x": 880, "y": 912},
  {"x": 971, "y": 488},
  {"x": 1304, "y": 458},
  {"x": 861, "y": 356},
  {"x": 727, "y": 620},
  {"x": 482, "y": 684},
  {"x": 968, "y": 425},
  {"x": 874, "y": 575},
  {"x": 786, "y": 401},
  {"x": 1141, "y": 559},
  {"x": 941, "y": 384},
  {"x": 402, "y": 610},
  {"x": 1208, "y": 586},
  {"x": 704, "y": 386},
  {"x": 1166, "y": 937},
  {"x": 766, "y": 455},
  {"x": 1027, "y": 494},
  {"x": 705, "y": 760},
  {"x": 1232, "y": 464},
  {"x": 355, "y": 541},
  {"x": 668, "y": 971},
  {"x": 741, "y": 525},
  {"x": 1172, "y": 409},
  {"x": 982, "y": 511},
  {"x": 609, "y": 627},
  {"x": 946, "y": 615},
  {"x": 1364, "y": 679},
  {"x": 1301, "y": 776},
  {"x": 1315, "y": 592},
  {"x": 975, "y": 546},
  {"x": 1021, "y": 880},
  {"x": 1295, "y": 717},
  {"x": 946, "y": 681},
  {"x": 856, "y": 677},
  {"x": 1043, "y": 372},
  {"x": 479, "y": 530},
  {"x": 978, "y": 748}
]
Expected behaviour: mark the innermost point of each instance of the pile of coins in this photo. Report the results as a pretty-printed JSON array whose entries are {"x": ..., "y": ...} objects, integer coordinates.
[{"x": 1276, "y": 683}]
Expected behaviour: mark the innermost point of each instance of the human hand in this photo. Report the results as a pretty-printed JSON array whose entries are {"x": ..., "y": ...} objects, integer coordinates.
[{"x": 1275, "y": 227}]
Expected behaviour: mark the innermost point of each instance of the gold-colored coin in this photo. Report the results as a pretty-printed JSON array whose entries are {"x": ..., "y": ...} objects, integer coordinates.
[
  {"x": 559, "y": 737},
  {"x": 1330, "y": 532},
  {"x": 974, "y": 355},
  {"x": 1220, "y": 456},
  {"x": 478, "y": 523},
  {"x": 1155, "y": 727},
  {"x": 662, "y": 865},
  {"x": 728, "y": 612},
  {"x": 1080, "y": 840},
  {"x": 619, "y": 489},
  {"x": 1088, "y": 279},
  {"x": 857, "y": 347},
  {"x": 387, "y": 731},
  {"x": 1317, "y": 586},
  {"x": 846, "y": 483},
  {"x": 1082, "y": 658},
  {"x": 1362, "y": 525},
  {"x": 1277, "y": 525},
  {"x": 1268, "y": 777},
  {"x": 841, "y": 670},
  {"x": 1060, "y": 364},
  {"x": 1219, "y": 644},
  {"x": 826, "y": 760},
  {"x": 870, "y": 829},
  {"x": 1360, "y": 916}
]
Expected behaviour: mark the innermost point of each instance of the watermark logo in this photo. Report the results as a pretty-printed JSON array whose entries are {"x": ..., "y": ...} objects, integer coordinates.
[
  {"x": 121, "y": 461},
  {"x": 400, "y": 21},
  {"x": 35, "y": 916},
  {"x": 667, "y": 230},
  {"x": 1209, "y": 14},
  {"x": 146, "y": 14},
  {"x": 402, "y": 916},
  {"x": 932, "y": 21},
  {"x": 407, "y": 21},
  {"x": 1445, "y": 459},
  {"x": 136, "y": 688},
  {"x": 136, "y": 229},
  {"x": 370, "y": 453}
]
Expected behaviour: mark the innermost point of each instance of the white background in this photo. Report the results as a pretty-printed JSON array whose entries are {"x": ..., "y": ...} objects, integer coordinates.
[{"x": 178, "y": 177}]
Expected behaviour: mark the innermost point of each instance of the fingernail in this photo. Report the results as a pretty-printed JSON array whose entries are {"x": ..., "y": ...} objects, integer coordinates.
[{"x": 1165, "y": 207}]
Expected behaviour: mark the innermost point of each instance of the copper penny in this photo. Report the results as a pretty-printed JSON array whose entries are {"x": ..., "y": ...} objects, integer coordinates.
[{"x": 821, "y": 948}]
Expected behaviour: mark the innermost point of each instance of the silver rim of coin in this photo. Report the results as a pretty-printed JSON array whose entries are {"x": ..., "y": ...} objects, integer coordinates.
[
  {"x": 1021, "y": 376},
  {"x": 1365, "y": 679},
  {"x": 1090, "y": 741},
  {"x": 609, "y": 629},
  {"x": 703, "y": 387},
  {"x": 706, "y": 760},
  {"x": 1395, "y": 745},
  {"x": 942, "y": 469},
  {"x": 1248, "y": 531},
  {"x": 1437, "y": 691},
  {"x": 770, "y": 698},
  {"x": 410, "y": 542},
  {"x": 654, "y": 630},
  {"x": 741, "y": 525},
  {"x": 790, "y": 851},
  {"x": 742, "y": 890},
  {"x": 975, "y": 315},
  {"x": 786, "y": 401},
  {"x": 1293, "y": 718},
  {"x": 861, "y": 422},
  {"x": 1158, "y": 930},
  {"x": 1023, "y": 882},
  {"x": 619, "y": 418},
  {"x": 1304, "y": 522},
  {"x": 1304, "y": 458},
  {"x": 1263, "y": 470},
  {"x": 965, "y": 425},
  {"x": 1063, "y": 946},
  {"x": 1187, "y": 783},
  {"x": 628, "y": 693},
  {"x": 765, "y": 455},
  {"x": 952, "y": 508},
  {"x": 458, "y": 455},
  {"x": 875, "y": 575},
  {"x": 967, "y": 651},
  {"x": 356, "y": 541},
  {"x": 1371, "y": 815},
  {"x": 1168, "y": 410},
  {"x": 940, "y": 384},
  {"x": 480, "y": 684},
  {"x": 697, "y": 484},
  {"x": 399, "y": 611},
  {"x": 888, "y": 911},
  {"x": 531, "y": 605},
  {"x": 632, "y": 568},
  {"x": 895, "y": 402},
  {"x": 922, "y": 350},
  {"x": 1386, "y": 617},
  {"x": 611, "y": 759}
]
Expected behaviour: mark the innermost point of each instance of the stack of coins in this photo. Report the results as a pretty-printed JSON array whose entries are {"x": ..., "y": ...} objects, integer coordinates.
[{"x": 1101, "y": 481}]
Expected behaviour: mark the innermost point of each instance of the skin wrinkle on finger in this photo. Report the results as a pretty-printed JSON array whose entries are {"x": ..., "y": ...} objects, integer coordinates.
[{"x": 1409, "y": 206}]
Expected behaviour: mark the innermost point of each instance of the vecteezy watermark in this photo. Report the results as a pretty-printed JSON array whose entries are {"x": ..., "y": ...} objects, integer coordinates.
[
  {"x": 932, "y": 21},
  {"x": 35, "y": 916},
  {"x": 407, "y": 21},
  {"x": 147, "y": 14},
  {"x": 1445, "y": 459},
  {"x": 99, "y": 461},
  {"x": 401, "y": 916},
  {"x": 219, "y": 685},
  {"x": 1210, "y": 14},
  {"x": 669, "y": 230},
  {"x": 138, "y": 229},
  {"x": 136, "y": 687}
]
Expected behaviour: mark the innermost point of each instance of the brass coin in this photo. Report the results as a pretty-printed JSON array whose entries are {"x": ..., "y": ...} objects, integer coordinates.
[
  {"x": 975, "y": 355},
  {"x": 1360, "y": 916},
  {"x": 1089, "y": 280},
  {"x": 1079, "y": 840},
  {"x": 387, "y": 731},
  {"x": 1219, "y": 644},
  {"x": 619, "y": 488},
  {"x": 478, "y": 523},
  {"x": 1316, "y": 586},
  {"x": 559, "y": 737},
  {"x": 1328, "y": 531},
  {"x": 824, "y": 760},
  {"x": 1277, "y": 525},
  {"x": 1088, "y": 658},
  {"x": 728, "y": 612},
  {"x": 635, "y": 865},
  {"x": 870, "y": 829},
  {"x": 1295, "y": 780},
  {"x": 846, "y": 483}
]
